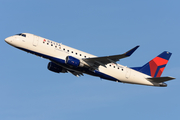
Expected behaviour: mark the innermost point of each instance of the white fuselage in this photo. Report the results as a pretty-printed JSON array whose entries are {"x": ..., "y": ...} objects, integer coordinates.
[{"x": 50, "y": 49}]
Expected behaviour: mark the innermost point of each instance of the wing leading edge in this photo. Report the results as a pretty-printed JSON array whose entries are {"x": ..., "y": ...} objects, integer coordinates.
[{"x": 97, "y": 61}]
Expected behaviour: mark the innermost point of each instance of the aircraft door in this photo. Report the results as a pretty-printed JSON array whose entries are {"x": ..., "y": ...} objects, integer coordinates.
[
  {"x": 35, "y": 41},
  {"x": 128, "y": 72}
]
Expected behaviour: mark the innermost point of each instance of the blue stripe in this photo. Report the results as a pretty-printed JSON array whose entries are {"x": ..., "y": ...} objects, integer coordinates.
[
  {"x": 146, "y": 69},
  {"x": 159, "y": 67},
  {"x": 136, "y": 68},
  {"x": 165, "y": 55},
  {"x": 62, "y": 62},
  {"x": 104, "y": 76}
]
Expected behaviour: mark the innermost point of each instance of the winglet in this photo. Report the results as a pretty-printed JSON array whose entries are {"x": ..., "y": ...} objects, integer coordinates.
[{"x": 128, "y": 53}]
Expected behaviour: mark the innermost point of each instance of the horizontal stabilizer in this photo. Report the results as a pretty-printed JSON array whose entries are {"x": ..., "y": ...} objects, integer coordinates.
[{"x": 160, "y": 79}]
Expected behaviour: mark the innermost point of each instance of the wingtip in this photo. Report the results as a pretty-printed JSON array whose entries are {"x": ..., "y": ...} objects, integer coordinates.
[
  {"x": 137, "y": 46},
  {"x": 171, "y": 77},
  {"x": 131, "y": 51}
]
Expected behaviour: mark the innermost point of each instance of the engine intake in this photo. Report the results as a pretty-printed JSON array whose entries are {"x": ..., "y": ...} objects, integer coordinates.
[
  {"x": 55, "y": 68},
  {"x": 72, "y": 61}
]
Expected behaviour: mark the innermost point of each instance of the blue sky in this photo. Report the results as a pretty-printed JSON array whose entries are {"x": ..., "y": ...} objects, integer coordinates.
[{"x": 100, "y": 27}]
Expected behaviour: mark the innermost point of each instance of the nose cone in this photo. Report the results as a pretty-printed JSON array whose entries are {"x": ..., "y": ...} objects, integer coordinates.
[{"x": 8, "y": 40}]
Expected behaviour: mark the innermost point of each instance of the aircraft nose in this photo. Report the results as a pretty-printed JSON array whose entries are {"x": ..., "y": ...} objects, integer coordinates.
[{"x": 8, "y": 39}]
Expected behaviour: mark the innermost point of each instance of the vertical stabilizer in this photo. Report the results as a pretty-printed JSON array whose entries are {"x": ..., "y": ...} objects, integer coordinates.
[{"x": 155, "y": 67}]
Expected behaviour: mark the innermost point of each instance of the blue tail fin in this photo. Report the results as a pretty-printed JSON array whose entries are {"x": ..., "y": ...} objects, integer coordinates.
[{"x": 155, "y": 67}]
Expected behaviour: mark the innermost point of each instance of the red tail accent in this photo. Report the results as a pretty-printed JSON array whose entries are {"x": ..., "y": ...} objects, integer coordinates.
[
  {"x": 155, "y": 63},
  {"x": 155, "y": 67},
  {"x": 160, "y": 72}
]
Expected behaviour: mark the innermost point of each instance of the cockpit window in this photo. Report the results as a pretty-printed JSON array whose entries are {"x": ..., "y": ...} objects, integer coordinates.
[{"x": 24, "y": 35}]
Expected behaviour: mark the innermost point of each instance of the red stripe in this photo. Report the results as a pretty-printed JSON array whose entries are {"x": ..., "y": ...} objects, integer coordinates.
[
  {"x": 153, "y": 67},
  {"x": 160, "y": 72},
  {"x": 160, "y": 61},
  {"x": 157, "y": 61}
]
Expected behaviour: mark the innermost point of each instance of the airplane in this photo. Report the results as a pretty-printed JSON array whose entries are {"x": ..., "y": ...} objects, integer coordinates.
[{"x": 65, "y": 59}]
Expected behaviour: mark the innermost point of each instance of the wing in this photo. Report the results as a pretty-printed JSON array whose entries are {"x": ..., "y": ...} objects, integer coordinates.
[{"x": 97, "y": 61}]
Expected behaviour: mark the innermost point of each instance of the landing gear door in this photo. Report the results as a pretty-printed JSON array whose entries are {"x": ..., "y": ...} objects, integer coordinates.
[{"x": 35, "y": 41}]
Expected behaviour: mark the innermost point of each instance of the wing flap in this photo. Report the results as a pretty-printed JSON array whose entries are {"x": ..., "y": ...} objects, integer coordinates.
[
  {"x": 75, "y": 73},
  {"x": 160, "y": 79}
]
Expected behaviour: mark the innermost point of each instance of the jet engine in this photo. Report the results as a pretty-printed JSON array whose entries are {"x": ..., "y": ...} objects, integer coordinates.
[
  {"x": 72, "y": 61},
  {"x": 55, "y": 68}
]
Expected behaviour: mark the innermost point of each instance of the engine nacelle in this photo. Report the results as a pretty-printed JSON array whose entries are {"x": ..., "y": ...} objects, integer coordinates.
[
  {"x": 72, "y": 61},
  {"x": 55, "y": 68}
]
